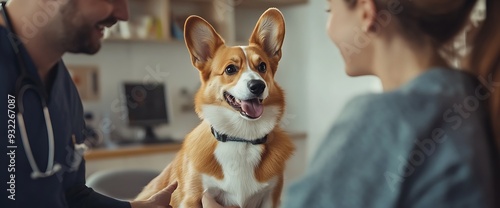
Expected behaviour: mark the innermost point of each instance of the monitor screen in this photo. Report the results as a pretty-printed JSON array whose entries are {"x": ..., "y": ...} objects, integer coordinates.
[{"x": 146, "y": 104}]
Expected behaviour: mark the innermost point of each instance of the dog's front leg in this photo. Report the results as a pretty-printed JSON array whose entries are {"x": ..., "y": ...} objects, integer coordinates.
[
  {"x": 192, "y": 199},
  {"x": 192, "y": 190},
  {"x": 191, "y": 202},
  {"x": 268, "y": 201}
]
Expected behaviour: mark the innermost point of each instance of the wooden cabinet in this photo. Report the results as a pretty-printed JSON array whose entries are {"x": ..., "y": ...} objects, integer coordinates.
[{"x": 163, "y": 20}]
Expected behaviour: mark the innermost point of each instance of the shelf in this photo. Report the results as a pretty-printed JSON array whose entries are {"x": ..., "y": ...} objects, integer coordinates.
[
  {"x": 268, "y": 3},
  {"x": 149, "y": 19},
  {"x": 139, "y": 40},
  {"x": 194, "y": 1},
  {"x": 162, "y": 21},
  {"x": 249, "y": 3}
]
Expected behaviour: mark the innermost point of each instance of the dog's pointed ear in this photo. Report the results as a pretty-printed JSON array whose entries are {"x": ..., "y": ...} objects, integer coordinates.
[
  {"x": 201, "y": 40},
  {"x": 269, "y": 33}
]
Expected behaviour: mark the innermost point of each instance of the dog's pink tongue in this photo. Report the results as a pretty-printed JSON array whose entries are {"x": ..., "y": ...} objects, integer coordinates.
[{"x": 252, "y": 108}]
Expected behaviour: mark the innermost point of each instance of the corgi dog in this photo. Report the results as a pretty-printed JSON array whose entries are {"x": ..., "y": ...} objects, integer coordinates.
[{"x": 238, "y": 151}]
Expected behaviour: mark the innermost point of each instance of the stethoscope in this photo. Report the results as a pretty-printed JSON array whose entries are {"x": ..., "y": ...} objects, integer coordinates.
[{"x": 24, "y": 83}]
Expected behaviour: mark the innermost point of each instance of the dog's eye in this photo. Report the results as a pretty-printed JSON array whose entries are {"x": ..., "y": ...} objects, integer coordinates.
[
  {"x": 231, "y": 69},
  {"x": 262, "y": 67}
]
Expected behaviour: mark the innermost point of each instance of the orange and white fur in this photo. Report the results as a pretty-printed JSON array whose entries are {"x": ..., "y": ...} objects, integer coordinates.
[{"x": 238, "y": 97}]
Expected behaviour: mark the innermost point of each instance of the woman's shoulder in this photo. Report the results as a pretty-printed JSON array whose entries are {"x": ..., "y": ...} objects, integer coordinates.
[
  {"x": 436, "y": 90},
  {"x": 442, "y": 82},
  {"x": 439, "y": 101},
  {"x": 414, "y": 135}
]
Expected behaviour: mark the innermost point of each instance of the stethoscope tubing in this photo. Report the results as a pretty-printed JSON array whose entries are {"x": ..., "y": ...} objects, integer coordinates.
[
  {"x": 51, "y": 169},
  {"x": 21, "y": 88}
]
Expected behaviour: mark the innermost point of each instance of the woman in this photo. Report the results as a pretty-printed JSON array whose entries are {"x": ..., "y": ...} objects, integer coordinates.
[{"x": 427, "y": 140}]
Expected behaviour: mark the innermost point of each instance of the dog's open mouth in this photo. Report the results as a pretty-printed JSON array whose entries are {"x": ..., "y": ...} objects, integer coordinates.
[{"x": 251, "y": 108}]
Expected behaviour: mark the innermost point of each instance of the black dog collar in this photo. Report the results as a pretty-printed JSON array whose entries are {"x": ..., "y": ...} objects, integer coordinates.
[{"x": 225, "y": 138}]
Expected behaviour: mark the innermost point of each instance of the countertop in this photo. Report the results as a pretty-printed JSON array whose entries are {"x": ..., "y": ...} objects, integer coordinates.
[{"x": 144, "y": 149}]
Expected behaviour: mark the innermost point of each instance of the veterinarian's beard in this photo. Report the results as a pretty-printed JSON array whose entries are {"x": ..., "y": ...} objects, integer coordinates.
[
  {"x": 80, "y": 40},
  {"x": 80, "y": 36},
  {"x": 77, "y": 35},
  {"x": 84, "y": 38}
]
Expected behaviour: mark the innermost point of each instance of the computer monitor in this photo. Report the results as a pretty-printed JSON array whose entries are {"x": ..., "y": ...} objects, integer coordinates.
[{"x": 147, "y": 107}]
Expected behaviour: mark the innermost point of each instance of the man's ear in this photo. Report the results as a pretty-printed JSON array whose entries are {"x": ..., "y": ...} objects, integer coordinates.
[
  {"x": 201, "y": 40},
  {"x": 269, "y": 33}
]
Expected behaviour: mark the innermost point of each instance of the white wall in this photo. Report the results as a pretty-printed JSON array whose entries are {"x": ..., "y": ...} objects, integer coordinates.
[
  {"x": 120, "y": 62},
  {"x": 329, "y": 88},
  {"x": 311, "y": 72},
  {"x": 291, "y": 70}
]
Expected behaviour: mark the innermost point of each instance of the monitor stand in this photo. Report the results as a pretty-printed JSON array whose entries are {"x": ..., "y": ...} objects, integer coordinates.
[{"x": 151, "y": 138}]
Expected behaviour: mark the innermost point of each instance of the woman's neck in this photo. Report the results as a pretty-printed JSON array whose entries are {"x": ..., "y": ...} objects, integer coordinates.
[{"x": 397, "y": 61}]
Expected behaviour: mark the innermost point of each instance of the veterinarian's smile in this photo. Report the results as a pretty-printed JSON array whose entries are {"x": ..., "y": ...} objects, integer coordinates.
[{"x": 251, "y": 108}]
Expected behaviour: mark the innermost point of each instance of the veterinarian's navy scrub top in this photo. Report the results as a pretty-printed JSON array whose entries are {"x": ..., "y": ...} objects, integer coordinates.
[{"x": 67, "y": 187}]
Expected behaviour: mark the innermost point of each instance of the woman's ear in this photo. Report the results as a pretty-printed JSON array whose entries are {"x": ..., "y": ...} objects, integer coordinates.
[
  {"x": 269, "y": 33},
  {"x": 201, "y": 40},
  {"x": 368, "y": 15}
]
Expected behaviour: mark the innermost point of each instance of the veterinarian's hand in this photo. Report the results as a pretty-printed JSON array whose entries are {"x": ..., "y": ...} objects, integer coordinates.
[
  {"x": 209, "y": 202},
  {"x": 159, "y": 200}
]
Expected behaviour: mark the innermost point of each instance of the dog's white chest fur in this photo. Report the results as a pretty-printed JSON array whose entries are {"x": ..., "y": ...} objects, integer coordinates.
[{"x": 239, "y": 186}]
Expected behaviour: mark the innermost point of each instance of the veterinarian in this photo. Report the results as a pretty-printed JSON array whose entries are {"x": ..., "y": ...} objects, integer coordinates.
[
  {"x": 431, "y": 138},
  {"x": 44, "y": 166}
]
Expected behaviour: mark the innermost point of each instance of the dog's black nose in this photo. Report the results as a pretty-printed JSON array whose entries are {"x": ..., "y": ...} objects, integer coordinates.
[{"x": 256, "y": 86}]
